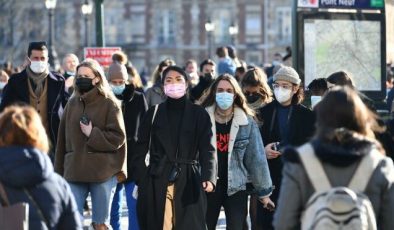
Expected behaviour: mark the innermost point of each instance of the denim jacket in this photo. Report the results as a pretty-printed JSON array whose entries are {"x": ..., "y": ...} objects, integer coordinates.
[{"x": 246, "y": 156}]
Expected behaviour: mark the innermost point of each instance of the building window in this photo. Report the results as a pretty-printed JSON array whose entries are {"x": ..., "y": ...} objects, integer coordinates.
[
  {"x": 253, "y": 24},
  {"x": 222, "y": 20},
  {"x": 166, "y": 27},
  {"x": 283, "y": 15},
  {"x": 137, "y": 25},
  {"x": 254, "y": 57}
]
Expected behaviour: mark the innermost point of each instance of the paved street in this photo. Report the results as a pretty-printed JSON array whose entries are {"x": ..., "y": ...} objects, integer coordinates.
[{"x": 125, "y": 222}]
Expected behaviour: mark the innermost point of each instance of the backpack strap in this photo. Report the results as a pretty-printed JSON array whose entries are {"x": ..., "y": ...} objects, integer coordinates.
[
  {"x": 364, "y": 171},
  {"x": 314, "y": 168}
]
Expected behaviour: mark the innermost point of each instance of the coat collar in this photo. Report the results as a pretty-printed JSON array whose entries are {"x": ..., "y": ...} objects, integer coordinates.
[{"x": 239, "y": 118}]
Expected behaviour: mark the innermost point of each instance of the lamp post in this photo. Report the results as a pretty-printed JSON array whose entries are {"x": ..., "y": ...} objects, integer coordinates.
[
  {"x": 100, "y": 38},
  {"x": 233, "y": 31},
  {"x": 87, "y": 9},
  {"x": 52, "y": 55},
  {"x": 209, "y": 27}
]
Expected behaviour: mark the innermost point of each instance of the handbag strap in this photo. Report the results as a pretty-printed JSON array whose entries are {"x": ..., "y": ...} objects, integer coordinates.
[
  {"x": 42, "y": 217},
  {"x": 3, "y": 196},
  {"x": 153, "y": 119}
]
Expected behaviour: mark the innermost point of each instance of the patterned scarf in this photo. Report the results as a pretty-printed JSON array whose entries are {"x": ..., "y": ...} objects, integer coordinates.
[{"x": 37, "y": 79}]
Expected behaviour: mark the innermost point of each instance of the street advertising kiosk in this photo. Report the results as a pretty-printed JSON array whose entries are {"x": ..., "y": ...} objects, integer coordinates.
[{"x": 348, "y": 35}]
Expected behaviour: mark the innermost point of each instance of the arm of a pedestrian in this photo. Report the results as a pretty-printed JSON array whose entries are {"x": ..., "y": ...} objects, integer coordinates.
[
  {"x": 289, "y": 205},
  {"x": 7, "y": 96},
  {"x": 61, "y": 144},
  {"x": 113, "y": 136},
  {"x": 256, "y": 163},
  {"x": 208, "y": 159},
  {"x": 385, "y": 219}
]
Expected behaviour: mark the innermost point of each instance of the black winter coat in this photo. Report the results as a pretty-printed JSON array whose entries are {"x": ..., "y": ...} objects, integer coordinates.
[
  {"x": 17, "y": 91},
  {"x": 194, "y": 145},
  {"x": 301, "y": 128},
  {"x": 134, "y": 107}
]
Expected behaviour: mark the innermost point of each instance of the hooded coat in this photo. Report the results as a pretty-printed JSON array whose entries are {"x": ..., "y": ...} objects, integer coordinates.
[
  {"x": 194, "y": 145},
  {"x": 340, "y": 160},
  {"x": 28, "y": 168}
]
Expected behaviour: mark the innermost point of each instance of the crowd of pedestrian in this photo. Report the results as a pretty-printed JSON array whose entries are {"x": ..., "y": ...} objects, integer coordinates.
[{"x": 203, "y": 137}]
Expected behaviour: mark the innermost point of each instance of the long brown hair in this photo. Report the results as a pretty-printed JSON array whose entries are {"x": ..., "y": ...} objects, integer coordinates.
[
  {"x": 22, "y": 126},
  {"x": 256, "y": 77},
  {"x": 342, "y": 108},
  {"x": 209, "y": 98}
]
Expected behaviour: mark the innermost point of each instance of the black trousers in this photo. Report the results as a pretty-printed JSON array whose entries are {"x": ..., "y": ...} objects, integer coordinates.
[{"x": 235, "y": 208}]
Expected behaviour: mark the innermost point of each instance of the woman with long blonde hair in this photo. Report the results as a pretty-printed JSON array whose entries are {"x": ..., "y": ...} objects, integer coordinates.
[
  {"x": 240, "y": 152},
  {"x": 91, "y": 149}
]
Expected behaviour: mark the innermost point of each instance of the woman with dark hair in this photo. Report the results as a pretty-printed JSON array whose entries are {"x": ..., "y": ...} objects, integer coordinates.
[
  {"x": 340, "y": 78},
  {"x": 181, "y": 165},
  {"x": 27, "y": 174},
  {"x": 240, "y": 153},
  {"x": 285, "y": 122},
  {"x": 256, "y": 89},
  {"x": 258, "y": 94},
  {"x": 155, "y": 95},
  {"x": 344, "y": 137}
]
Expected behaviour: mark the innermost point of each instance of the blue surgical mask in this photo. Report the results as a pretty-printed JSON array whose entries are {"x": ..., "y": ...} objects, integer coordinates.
[
  {"x": 118, "y": 89},
  {"x": 224, "y": 100}
]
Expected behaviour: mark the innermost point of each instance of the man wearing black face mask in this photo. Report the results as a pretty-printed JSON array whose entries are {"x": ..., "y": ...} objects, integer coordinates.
[{"x": 207, "y": 69}]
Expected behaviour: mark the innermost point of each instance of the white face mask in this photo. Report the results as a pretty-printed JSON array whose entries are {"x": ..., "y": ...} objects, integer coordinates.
[
  {"x": 2, "y": 85},
  {"x": 315, "y": 100},
  {"x": 282, "y": 95},
  {"x": 38, "y": 66}
]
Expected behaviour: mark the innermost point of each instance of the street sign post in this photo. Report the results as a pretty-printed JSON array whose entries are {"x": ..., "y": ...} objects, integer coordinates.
[{"x": 101, "y": 54}]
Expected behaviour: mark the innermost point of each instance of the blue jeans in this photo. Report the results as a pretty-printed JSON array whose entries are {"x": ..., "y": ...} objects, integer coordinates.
[
  {"x": 117, "y": 206},
  {"x": 101, "y": 194}
]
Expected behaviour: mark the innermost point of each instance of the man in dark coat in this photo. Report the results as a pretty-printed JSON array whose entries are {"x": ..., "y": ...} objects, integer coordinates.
[
  {"x": 179, "y": 138},
  {"x": 40, "y": 88},
  {"x": 287, "y": 122},
  {"x": 208, "y": 74}
]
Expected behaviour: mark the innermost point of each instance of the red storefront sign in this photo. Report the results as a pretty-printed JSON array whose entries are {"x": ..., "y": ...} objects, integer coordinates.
[{"x": 101, "y": 54}]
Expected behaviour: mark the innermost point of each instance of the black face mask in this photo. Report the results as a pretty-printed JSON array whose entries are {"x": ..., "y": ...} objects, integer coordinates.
[
  {"x": 208, "y": 76},
  {"x": 252, "y": 98},
  {"x": 84, "y": 84}
]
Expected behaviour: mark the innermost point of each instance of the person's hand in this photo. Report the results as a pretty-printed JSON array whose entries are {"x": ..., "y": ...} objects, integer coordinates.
[
  {"x": 207, "y": 186},
  {"x": 267, "y": 203},
  {"x": 86, "y": 129},
  {"x": 270, "y": 153}
]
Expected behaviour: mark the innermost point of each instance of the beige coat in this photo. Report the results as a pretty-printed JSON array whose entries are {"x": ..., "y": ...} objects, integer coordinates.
[{"x": 101, "y": 155}]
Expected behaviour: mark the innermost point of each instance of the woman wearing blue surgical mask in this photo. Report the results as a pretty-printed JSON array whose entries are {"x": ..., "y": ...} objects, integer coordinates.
[
  {"x": 285, "y": 122},
  {"x": 240, "y": 153},
  {"x": 133, "y": 106}
]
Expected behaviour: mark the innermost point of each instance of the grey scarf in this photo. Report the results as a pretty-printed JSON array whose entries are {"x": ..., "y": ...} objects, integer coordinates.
[{"x": 38, "y": 80}]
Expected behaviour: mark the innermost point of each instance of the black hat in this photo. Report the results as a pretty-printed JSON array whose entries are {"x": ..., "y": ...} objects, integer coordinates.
[{"x": 176, "y": 69}]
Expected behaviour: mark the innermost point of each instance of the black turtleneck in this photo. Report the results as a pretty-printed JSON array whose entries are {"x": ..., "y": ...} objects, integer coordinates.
[{"x": 175, "y": 108}]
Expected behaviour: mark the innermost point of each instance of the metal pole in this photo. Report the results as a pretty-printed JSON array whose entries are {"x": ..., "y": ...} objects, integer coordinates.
[
  {"x": 52, "y": 55},
  {"x": 209, "y": 44},
  {"x": 86, "y": 31},
  {"x": 100, "y": 39}
]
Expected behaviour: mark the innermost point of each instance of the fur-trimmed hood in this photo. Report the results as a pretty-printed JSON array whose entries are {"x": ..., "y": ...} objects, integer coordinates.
[{"x": 342, "y": 150}]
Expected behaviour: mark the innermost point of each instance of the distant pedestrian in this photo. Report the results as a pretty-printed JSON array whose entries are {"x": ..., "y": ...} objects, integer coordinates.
[
  {"x": 255, "y": 87},
  {"x": 91, "y": 148},
  {"x": 133, "y": 106},
  {"x": 191, "y": 69},
  {"x": 207, "y": 76},
  {"x": 27, "y": 174},
  {"x": 182, "y": 163},
  {"x": 343, "y": 139},
  {"x": 317, "y": 88},
  {"x": 70, "y": 63},
  {"x": 225, "y": 63},
  {"x": 240, "y": 152},
  {"x": 155, "y": 95},
  {"x": 3, "y": 82}
]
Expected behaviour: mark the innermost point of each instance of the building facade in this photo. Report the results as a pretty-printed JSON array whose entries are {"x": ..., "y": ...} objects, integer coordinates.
[{"x": 151, "y": 30}]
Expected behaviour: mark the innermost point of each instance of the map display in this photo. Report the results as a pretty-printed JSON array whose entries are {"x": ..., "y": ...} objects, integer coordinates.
[{"x": 353, "y": 46}]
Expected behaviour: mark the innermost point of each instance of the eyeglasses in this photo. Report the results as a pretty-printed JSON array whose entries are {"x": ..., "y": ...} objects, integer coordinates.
[{"x": 277, "y": 86}]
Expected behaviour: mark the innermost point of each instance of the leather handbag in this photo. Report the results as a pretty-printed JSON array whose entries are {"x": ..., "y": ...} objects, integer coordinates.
[{"x": 13, "y": 217}]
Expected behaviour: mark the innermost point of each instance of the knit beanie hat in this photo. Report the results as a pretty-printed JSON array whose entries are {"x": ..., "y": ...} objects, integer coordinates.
[
  {"x": 289, "y": 74},
  {"x": 176, "y": 69},
  {"x": 117, "y": 71}
]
